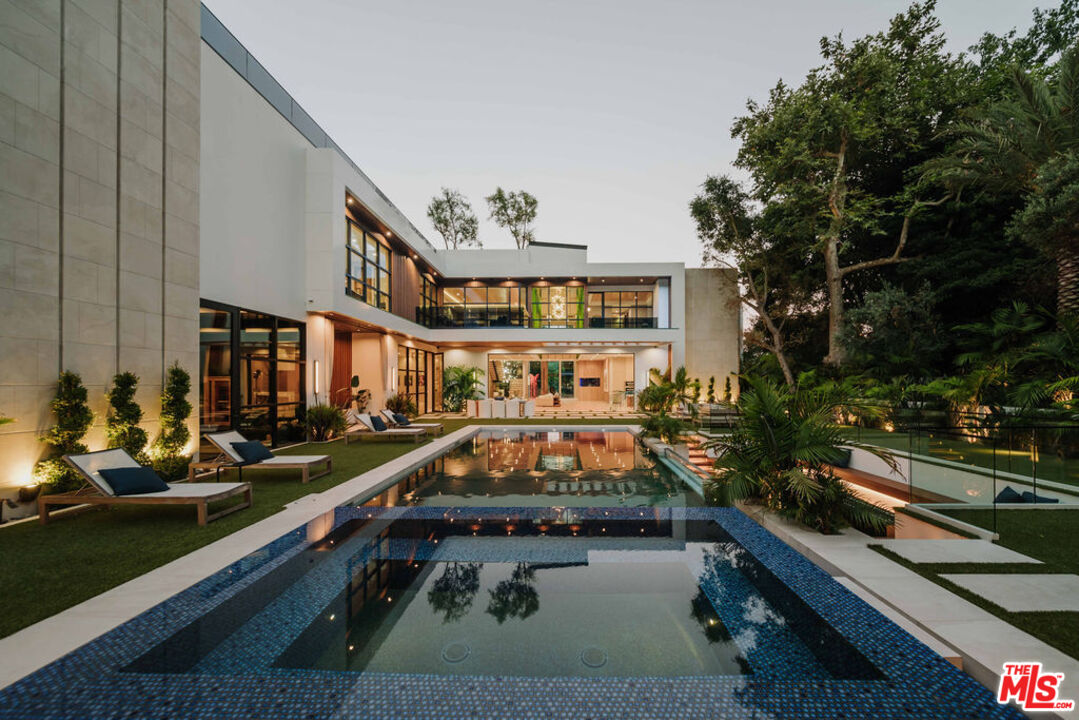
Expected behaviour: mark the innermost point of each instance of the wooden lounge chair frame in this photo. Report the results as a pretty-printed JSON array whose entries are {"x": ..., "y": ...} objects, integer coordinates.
[
  {"x": 230, "y": 458},
  {"x": 361, "y": 429},
  {"x": 97, "y": 492}
]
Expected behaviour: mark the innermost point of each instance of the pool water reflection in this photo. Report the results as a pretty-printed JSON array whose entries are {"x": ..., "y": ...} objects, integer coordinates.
[{"x": 543, "y": 469}]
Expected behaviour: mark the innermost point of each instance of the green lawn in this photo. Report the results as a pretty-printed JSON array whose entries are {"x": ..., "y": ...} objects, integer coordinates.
[
  {"x": 1046, "y": 535},
  {"x": 53, "y": 567}
]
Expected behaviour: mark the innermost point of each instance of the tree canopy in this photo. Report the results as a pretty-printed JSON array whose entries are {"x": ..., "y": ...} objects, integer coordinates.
[
  {"x": 453, "y": 218},
  {"x": 516, "y": 211},
  {"x": 899, "y": 191}
]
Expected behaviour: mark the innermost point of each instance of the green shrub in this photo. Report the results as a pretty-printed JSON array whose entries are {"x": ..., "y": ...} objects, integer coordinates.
[
  {"x": 122, "y": 424},
  {"x": 712, "y": 389},
  {"x": 459, "y": 385},
  {"x": 167, "y": 453},
  {"x": 73, "y": 420},
  {"x": 325, "y": 422},
  {"x": 661, "y": 425},
  {"x": 401, "y": 404},
  {"x": 780, "y": 454}
]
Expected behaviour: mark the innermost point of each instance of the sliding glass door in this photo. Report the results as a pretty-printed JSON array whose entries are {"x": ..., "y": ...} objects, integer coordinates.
[{"x": 252, "y": 373}]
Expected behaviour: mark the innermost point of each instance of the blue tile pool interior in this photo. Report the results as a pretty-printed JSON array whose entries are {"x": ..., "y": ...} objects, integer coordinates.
[
  {"x": 494, "y": 468},
  {"x": 509, "y": 612}
]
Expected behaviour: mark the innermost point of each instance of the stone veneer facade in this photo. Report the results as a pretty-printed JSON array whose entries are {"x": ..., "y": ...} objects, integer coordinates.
[{"x": 99, "y": 210}]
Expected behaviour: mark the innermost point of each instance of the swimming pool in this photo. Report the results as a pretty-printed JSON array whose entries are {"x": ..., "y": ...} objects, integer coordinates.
[
  {"x": 513, "y": 467},
  {"x": 393, "y": 609}
]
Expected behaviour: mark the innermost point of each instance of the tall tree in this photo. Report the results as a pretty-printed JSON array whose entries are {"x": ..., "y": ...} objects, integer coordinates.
[
  {"x": 829, "y": 158},
  {"x": 730, "y": 234},
  {"x": 1026, "y": 143},
  {"x": 453, "y": 218},
  {"x": 515, "y": 211}
]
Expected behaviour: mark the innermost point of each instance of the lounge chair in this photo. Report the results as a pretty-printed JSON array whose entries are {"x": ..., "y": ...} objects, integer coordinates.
[
  {"x": 97, "y": 490},
  {"x": 230, "y": 458},
  {"x": 391, "y": 418},
  {"x": 362, "y": 428}
]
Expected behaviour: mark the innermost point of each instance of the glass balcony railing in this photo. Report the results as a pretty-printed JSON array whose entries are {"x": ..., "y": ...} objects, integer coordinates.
[{"x": 481, "y": 317}]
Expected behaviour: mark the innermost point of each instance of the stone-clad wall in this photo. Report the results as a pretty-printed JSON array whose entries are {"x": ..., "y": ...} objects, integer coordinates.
[
  {"x": 99, "y": 217},
  {"x": 713, "y": 327}
]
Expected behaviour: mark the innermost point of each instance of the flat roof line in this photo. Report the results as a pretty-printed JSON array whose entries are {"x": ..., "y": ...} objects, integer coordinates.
[
  {"x": 232, "y": 51},
  {"x": 570, "y": 246}
]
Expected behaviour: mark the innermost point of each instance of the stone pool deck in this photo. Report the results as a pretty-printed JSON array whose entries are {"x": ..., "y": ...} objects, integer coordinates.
[{"x": 939, "y": 618}]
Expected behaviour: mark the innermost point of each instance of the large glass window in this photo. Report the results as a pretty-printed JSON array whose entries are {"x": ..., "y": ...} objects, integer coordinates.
[
  {"x": 369, "y": 263},
  {"x": 252, "y": 373},
  {"x": 557, "y": 306},
  {"x": 480, "y": 306},
  {"x": 215, "y": 361},
  {"x": 428, "y": 292},
  {"x": 621, "y": 309},
  {"x": 419, "y": 377}
]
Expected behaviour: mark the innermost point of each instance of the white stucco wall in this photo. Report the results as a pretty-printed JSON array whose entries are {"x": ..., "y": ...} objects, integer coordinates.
[{"x": 253, "y": 190}]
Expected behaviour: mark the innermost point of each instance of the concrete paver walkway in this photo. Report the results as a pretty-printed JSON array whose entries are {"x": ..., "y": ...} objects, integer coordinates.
[
  {"x": 983, "y": 641},
  {"x": 955, "y": 551},
  {"x": 1034, "y": 592}
]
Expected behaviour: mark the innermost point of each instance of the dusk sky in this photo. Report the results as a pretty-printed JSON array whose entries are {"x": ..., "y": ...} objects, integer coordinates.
[{"x": 610, "y": 112}]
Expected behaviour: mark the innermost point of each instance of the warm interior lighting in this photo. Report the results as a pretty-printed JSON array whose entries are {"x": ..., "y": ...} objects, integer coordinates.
[{"x": 349, "y": 201}]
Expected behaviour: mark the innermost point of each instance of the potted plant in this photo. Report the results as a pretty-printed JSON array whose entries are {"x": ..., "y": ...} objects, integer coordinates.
[{"x": 325, "y": 422}]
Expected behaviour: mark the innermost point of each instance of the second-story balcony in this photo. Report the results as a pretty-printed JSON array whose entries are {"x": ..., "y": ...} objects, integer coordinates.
[{"x": 487, "y": 317}]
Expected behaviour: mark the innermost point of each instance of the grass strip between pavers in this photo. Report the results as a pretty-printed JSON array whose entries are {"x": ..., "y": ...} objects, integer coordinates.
[{"x": 1056, "y": 629}]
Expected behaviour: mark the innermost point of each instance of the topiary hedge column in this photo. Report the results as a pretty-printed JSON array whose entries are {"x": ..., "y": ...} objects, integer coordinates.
[
  {"x": 168, "y": 450},
  {"x": 122, "y": 424},
  {"x": 73, "y": 421}
]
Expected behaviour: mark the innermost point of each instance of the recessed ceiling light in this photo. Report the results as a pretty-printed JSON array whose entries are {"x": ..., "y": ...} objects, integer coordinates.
[{"x": 350, "y": 201}]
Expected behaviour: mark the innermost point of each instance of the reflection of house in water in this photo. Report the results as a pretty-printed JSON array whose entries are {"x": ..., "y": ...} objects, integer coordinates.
[
  {"x": 542, "y": 469},
  {"x": 565, "y": 452}
]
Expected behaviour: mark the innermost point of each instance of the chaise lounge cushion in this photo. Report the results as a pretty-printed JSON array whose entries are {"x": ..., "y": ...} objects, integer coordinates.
[
  {"x": 1029, "y": 497},
  {"x": 252, "y": 451},
  {"x": 401, "y": 420},
  {"x": 133, "y": 480},
  {"x": 1008, "y": 495},
  {"x": 378, "y": 423}
]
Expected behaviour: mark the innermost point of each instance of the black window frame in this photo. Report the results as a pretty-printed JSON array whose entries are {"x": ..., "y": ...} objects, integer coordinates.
[
  {"x": 236, "y": 406},
  {"x": 642, "y": 316},
  {"x": 359, "y": 260}
]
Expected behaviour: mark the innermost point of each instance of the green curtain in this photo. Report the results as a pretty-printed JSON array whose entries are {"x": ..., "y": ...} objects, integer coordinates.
[
  {"x": 537, "y": 321},
  {"x": 579, "y": 305}
]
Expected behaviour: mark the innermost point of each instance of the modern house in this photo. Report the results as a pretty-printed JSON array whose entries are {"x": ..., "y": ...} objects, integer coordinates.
[{"x": 163, "y": 199}]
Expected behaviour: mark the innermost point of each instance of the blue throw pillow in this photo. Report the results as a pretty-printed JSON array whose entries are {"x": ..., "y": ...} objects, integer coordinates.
[
  {"x": 401, "y": 420},
  {"x": 1007, "y": 495},
  {"x": 133, "y": 480},
  {"x": 378, "y": 423},
  {"x": 1030, "y": 497},
  {"x": 842, "y": 458},
  {"x": 252, "y": 451}
]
